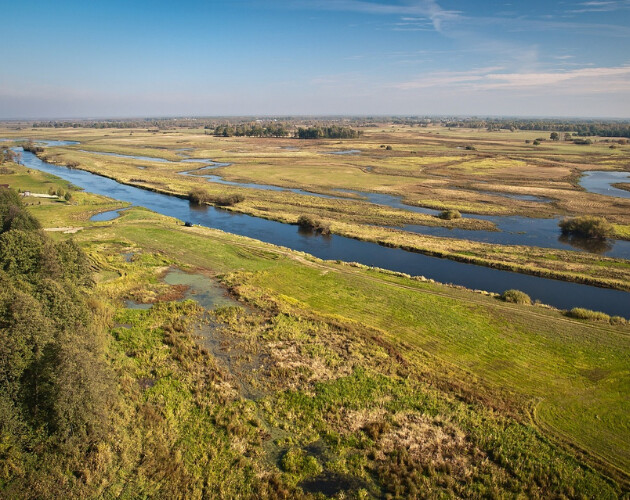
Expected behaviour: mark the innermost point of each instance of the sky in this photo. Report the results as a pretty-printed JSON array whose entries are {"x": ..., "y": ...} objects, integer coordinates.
[{"x": 98, "y": 59}]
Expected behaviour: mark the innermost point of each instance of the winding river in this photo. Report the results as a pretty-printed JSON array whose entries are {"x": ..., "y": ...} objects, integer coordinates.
[
  {"x": 560, "y": 294},
  {"x": 512, "y": 229}
]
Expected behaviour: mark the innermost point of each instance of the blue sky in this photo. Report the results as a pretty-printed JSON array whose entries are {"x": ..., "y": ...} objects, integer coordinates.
[{"x": 280, "y": 57}]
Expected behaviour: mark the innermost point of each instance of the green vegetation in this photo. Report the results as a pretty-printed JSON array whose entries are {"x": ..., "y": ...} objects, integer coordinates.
[
  {"x": 332, "y": 132},
  {"x": 587, "y": 314},
  {"x": 200, "y": 197},
  {"x": 308, "y": 222},
  {"x": 54, "y": 392},
  {"x": 252, "y": 130},
  {"x": 516, "y": 297},
  {"x": 329, "y": 378},
  {"x": 450, "y": 214},
  {"x": 587, "y": 226}
]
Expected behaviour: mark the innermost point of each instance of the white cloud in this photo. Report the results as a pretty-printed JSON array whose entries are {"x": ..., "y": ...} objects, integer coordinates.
[{"x": 582, "y": 80}]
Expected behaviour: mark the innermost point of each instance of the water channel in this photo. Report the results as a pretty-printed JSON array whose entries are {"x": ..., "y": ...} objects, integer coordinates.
[{"x": 554, "y": 292}]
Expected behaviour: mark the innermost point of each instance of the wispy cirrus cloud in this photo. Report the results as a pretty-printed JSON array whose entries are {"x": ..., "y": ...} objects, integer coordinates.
[
  {"x": 582, "y": 80},
  {"x": 600, "y": 6},
  {"x": 426, "y": 9}
]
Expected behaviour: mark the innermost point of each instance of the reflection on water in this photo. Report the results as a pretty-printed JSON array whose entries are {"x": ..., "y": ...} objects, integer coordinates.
[{"x": 593, "y": 245}]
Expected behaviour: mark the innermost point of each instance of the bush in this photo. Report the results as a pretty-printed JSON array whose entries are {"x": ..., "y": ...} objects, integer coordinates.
[
  {"x": 516, "y": 297},
  {"x": 227, "y": 201},
  {"x": 588, "y": 226},
  {"x": 309, "y": 222},
  {"x": 388, "y": 148},
  {"x": 450, "y": 214},
  {"x": 200, "y": 196},
  {"x": 581, "y": 313}
]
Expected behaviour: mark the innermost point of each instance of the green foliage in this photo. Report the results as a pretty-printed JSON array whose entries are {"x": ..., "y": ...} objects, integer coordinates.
[
  {"x": 588, "y": 314},
  {"x": 272, "y": 129},
  {"x": 13, "y": 215},
  {"x": 330, "y": 132},
  {"x": 516, "y": 297},
  {"x": 588, "y": 226},
  {"x": 296, "y": 461},
  {"x": 313, "y": 224},
  {"x": 54, "y": 384},
  {"x": 201, "y": 196},
  {"x": 450, "y": 214}
]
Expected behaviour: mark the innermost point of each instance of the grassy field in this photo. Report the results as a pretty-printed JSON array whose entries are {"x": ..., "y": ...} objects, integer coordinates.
[{"x": 331, "y": 373}]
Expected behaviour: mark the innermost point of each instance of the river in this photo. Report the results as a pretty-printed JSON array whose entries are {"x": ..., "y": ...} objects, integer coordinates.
[{"x": 561, "y": 294}]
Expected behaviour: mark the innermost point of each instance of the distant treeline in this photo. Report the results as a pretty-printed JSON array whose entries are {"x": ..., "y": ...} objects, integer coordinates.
[
  {"x": 333, "y": 132},
  {"x": 251, "y": 130},
  {"x": 580, "y": 128},
  {"x": 343, "y": 128},
  {"x": 284, "y": 130}
]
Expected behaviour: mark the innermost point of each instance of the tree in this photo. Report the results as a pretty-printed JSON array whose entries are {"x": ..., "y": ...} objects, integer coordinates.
[{"x": 554, "y": 136}]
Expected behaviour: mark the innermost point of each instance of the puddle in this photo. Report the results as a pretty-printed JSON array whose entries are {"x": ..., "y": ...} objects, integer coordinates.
[
  {"x": 344, "y": 152},
  {"x": 205, "y": 291},
  {"x": 132, "y": 304},
  {"x": 105, "y": 216},
  {"x": 128, "y": 256}
]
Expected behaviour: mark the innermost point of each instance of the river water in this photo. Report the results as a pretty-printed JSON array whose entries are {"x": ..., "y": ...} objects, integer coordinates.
[{"x": 560, "y": 294}]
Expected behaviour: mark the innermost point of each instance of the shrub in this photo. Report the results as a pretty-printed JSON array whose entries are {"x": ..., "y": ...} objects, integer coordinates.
[
  {"x": 450, "y": 214},
  {"x": 582, "y": 142},
  {"x": 588, "y": 226},
  {"x": 470, "y": 147},
  {"x": 199, "y": 196},
  {"x": 309, "y": 222},
  {"x": 388, "y": 148},
  {"x": 516, "y": 297},
  {"x": 297, "y": 461},
  {"x": 581, "y": 313},
  {"x": 228, "y": 200}
]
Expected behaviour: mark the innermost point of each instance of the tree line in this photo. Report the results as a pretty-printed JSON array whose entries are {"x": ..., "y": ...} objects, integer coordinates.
[{"x": 582, "y": 128}]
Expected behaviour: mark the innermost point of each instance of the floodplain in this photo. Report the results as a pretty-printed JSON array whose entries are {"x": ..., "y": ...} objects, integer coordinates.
[{"x": 314, "y": 377}]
